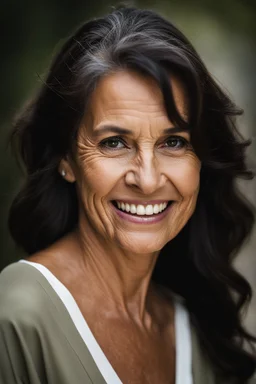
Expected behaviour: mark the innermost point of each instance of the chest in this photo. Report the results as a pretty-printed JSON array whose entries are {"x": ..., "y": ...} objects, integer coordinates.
[{"x": 136, "y": 357}]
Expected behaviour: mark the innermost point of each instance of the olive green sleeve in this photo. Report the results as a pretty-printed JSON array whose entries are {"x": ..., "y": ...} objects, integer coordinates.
[
  {"x": 17, "y": 364},
  {"x": 39, "y": 343}
]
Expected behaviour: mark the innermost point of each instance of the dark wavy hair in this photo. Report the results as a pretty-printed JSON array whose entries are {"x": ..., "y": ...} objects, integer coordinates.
[{"x": 197, "y": 264}]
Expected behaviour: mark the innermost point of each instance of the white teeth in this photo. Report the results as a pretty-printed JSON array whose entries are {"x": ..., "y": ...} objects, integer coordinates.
[
  {"x": 140, "y": 209},
  {"x": 149, "y": 210},
  {"x": 133, "y": 208}
]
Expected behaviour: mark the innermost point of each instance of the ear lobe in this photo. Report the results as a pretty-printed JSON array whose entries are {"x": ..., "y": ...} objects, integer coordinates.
[{"x": 66, "y": 171}]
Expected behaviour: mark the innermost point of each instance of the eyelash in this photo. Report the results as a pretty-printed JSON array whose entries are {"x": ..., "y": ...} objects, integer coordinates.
[{"x": 104, "y": 142}]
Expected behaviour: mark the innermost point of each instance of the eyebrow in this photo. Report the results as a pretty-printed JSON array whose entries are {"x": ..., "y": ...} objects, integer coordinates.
[{"x": 124, "y": 131}]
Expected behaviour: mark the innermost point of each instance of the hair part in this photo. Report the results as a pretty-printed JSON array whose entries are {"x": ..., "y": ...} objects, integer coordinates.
[{"x": 197, "y": 264}]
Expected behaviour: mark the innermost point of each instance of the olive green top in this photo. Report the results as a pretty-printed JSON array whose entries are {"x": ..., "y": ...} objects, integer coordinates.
[{"x": 39, "y": 343}]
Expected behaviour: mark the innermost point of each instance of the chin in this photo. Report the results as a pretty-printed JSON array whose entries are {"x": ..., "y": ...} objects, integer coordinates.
[{"x": 143, "y": 244}]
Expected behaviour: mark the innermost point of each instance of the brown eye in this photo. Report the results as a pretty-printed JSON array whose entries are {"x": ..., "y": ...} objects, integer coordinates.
[
  {"x": 176, "y": 142},
  {"x": 112, "y": 143}
]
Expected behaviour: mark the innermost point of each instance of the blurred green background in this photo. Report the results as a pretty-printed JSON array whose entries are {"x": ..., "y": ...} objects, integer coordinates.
[{"x": 223, "y": 32}]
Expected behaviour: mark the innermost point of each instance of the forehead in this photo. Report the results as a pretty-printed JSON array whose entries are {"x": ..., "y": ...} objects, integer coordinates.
[{"x": 127, "y": 93}]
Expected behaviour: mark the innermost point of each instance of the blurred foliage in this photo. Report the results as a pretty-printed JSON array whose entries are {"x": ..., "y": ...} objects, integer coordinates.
[{"x": 32, "y": 30}]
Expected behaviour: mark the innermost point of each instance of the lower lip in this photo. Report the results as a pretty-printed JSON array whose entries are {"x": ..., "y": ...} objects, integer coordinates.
[{"x": 143, "y": 219}]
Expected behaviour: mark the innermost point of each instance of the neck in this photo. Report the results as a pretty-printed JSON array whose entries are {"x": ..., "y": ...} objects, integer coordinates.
[{"x": 118, "y": 279}]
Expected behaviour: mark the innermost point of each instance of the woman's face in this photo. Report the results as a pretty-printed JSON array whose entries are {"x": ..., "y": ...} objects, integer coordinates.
[{"x": 130, "y": 157}]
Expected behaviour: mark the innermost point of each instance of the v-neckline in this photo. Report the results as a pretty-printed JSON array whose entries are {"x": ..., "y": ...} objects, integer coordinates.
[{"x": 182, "y": 332}]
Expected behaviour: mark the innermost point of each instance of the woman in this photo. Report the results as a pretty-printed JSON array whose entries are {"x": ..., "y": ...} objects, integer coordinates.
[{"x": 129, "y": 216}]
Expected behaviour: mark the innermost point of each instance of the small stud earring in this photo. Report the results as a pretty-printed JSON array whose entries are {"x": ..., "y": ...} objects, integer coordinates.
[{"x": 63, "y": 172}]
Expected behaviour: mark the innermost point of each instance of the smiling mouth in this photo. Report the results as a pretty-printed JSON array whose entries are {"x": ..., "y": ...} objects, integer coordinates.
[{"x": 142, "y": 210}]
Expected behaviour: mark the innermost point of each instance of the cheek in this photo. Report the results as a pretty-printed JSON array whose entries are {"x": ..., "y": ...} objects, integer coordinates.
[
  {"x": 185, "y": 176},
  {"x": 99, "y": 175}
]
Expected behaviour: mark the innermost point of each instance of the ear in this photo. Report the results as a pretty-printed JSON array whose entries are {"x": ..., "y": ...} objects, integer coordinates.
[{"x": 66, "y": 170}]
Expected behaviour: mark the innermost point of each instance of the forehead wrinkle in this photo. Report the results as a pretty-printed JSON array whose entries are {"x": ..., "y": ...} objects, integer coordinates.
[
  {"x": 140, "y": 126},
  {"x": 124, "y": 113},
  {"x": 123, "y": 104},
  {"x": 122, "y": 94},
  {"x": 156, "y": 110},
  {"x": 154, "y": 106}
]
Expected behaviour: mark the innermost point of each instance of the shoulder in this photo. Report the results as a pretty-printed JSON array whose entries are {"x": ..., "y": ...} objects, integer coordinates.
[{"x": 24, "y": 294}]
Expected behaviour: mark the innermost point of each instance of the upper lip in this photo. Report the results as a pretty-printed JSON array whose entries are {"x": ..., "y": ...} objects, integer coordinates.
[{"x": 139, "y": 202}]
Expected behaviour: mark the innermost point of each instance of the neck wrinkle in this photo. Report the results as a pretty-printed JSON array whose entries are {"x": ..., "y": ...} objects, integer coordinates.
[{"x": 119, "y": 280}]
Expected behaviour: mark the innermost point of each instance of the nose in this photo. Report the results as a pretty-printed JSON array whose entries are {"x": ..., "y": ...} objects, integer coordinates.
[{"x": 146, "y": 175}]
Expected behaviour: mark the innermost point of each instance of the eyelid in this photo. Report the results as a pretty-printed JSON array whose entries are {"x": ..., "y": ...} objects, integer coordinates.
[
  {"x": 112, "y": 138},
  {"x": 102, "y": 142},
  {"x": 185, "y": 137},
  {"x": 185, "y": 143},
  {"x": 178, "y": 137}
]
